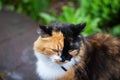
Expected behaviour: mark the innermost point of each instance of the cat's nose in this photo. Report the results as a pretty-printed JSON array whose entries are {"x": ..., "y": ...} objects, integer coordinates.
[
  {"x": 58, "y": 54},
  {"x": 63, "y": 59},
  {"x": 68, "y": 58}
]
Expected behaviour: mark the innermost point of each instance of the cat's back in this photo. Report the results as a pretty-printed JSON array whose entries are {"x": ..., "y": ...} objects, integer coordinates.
[
  {"x": 105, "y": 42},
  {"x": 104, "y": 55}
]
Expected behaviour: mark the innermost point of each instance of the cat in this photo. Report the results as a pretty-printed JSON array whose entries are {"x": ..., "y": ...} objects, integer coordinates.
[{"x": 64, "y": 54}]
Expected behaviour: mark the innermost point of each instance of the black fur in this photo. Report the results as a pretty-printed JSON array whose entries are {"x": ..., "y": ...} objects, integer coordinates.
[
  {"x": 103, "y": 52},
  {"x": 71, "y": 34}
]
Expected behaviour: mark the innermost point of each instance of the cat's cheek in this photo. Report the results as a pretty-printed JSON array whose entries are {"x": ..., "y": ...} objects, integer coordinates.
[
  {"x": 73, "y": 53},
  {"x": 48, "y": 52}
]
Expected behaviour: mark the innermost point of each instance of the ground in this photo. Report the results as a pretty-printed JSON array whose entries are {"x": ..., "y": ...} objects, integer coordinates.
[{"x": 17, "y": 34}]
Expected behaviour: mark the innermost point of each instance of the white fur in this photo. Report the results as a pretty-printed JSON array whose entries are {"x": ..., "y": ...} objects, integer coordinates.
[
  {"x": 55, "y": 57},
  {"x": 47, "y": 69},
  {"x": 72, "y": 62}
]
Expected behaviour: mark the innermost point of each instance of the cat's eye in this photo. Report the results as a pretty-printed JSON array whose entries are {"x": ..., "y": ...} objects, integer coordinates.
[
  {"x": 70, "y": 50},
  {"x": 55, "y": 50}
]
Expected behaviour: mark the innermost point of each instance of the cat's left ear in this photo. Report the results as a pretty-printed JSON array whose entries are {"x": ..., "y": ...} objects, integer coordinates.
[
  {"x": 78, "y": 28},
  {"x": 45, "y": 30}
]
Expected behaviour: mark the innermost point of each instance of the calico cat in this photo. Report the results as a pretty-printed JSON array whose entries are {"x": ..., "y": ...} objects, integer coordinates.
[{"x": 64, "y": 54}]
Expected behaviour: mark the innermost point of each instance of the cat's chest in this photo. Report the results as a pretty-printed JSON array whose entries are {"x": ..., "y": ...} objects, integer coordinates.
[{"x": 46, "y": 69}]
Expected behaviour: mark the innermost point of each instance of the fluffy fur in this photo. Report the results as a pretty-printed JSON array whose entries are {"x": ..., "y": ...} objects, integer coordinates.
[{"x": 63, "y": 54}]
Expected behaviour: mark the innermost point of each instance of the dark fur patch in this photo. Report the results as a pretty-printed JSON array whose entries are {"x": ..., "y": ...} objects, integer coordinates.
[
  {"x": 102, "y": 53},
  {"x": 104, "y": 57},
  {"x": 71, "y": 34}
]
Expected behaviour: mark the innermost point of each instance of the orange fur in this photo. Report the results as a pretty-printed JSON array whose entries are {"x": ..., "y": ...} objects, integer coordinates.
[
  {"x": 96, "y": 52},
  {"x": 70, "y": 75},
  {"x": 44, "y": 45}
]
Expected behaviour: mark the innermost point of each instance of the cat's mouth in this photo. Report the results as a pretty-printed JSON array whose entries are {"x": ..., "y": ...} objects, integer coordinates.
[
  {"x": 67, "y": 63},
  {"x": 58, "y": 61}
]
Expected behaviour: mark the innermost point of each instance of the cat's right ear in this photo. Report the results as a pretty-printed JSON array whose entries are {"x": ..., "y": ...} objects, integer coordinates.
[
  {"x": 78, "y": 28},
  {"x": 45, "y": 30}
]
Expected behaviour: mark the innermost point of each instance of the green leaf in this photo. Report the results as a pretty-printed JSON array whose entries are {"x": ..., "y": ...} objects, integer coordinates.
[
  {"x": 106, "y": 2},
  {"x": 48, "y": 18},
  {"x": 67, "y": 12},
  {"x": 19, "y": 9},
  {"x": 0, "y": 5},
  {"x": 116, "y": 30},
  {"x": 25, "y": 1}
]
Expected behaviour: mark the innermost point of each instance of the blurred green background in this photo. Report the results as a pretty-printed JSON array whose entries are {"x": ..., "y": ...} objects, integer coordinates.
[{"x": 100, "y": 15}]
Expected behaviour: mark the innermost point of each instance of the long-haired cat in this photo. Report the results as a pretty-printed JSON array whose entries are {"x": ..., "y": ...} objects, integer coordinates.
[{"x": 64, "y": 54}]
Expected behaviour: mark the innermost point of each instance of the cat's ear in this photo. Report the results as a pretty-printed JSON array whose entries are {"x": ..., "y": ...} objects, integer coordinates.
[
  {"x": 78, "y": 28},
  {"x": 45, "y": 30}
]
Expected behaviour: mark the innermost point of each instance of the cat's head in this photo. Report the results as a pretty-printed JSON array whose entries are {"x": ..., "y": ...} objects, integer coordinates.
[{"x": 58, "y": 40}]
